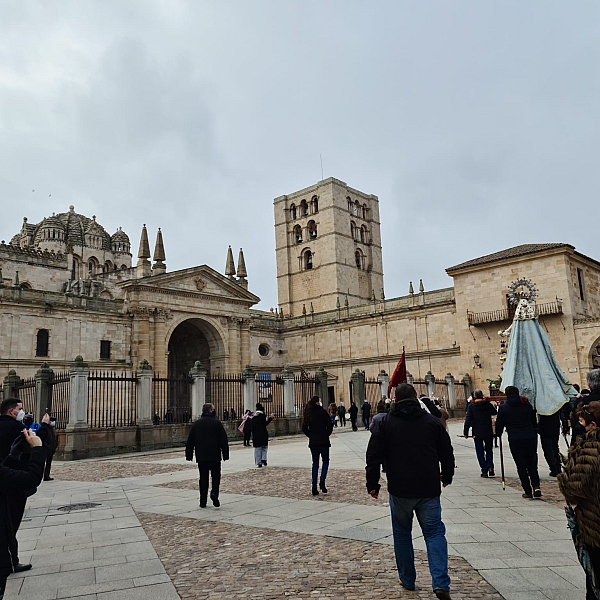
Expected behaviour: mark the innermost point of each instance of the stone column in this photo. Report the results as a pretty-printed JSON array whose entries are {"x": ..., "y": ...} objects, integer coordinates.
[
  {"x": 249, "y": 377},
  {"x": 384, "y": 382},
  {"x": 451, "y": 391},
  {"x": 10, "y": 383},
  {"x": 245, "y": 343},
  {"x": 43, "y": 392},
  {"x": 289, "y": 401},
  {"x": 468, "y": 385},
  {"x": 409, "y": 378},
  {"x": 358, "y": 387},
  {"x": 430, "y": 381},
  {"x": 143, "y": 407},
  {"x": 321, "y": 377},
  {"x": 76, "y": 431},
  {"x": 198, "y": 375}
]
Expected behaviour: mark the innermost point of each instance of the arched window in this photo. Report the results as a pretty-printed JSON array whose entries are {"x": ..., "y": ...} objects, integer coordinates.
[
  {"x": 364, "y": 234},
  {"x": 41, "y": 347},
  {"x": 358, "y": 259},
  {"x": 365, "y": 212},
  {"x": 303, "y": 208},
  {"x": 356, "y": 209},
  {"x": 293, "y": 212},
  {"x": 349, "y": 203},
  {"x": 298, "y": 234},
  {"x": 75, "y": 269},
  {"x": 107, "y": 267},
  {"x": 308, "y": 260},
  {"x": 123, "y": 267},
  {"x": 312, "y": 230},
  {"x": 353, "y": 229},
  {"x": 315, "y": 205},
  {"x": 92, "y": 266}
]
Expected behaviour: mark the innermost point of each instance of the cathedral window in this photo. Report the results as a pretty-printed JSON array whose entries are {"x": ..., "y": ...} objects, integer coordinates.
[
  {"x": 358, "y": 259},
  {"x": 353, "y": 229},
  {"x": 303, "y": 208},
  {"x": 105, "y": 349},
  {"x": 293, "y": 212},
  {"x": 308, "y": 260},
  {"x": 364, "y": 234},
  {"x": 41, "y": 347},
  {"x": 365, "y": 212},
  {"x": 312, "y": 230},
  {"x": 349, "y": 204},
  {"x": 298, "y": 234},
  {"x": 315, "y": 205},
  {"x": 356, "y": 209}
]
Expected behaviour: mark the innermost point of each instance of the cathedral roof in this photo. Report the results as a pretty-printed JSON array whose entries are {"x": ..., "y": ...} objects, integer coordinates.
[
  {"x": 514, "y": 252},
  {"x": 120, "y": 236}
]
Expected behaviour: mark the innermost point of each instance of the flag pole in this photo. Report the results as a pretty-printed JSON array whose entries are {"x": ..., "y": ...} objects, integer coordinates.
[{"x": 502, "y": 464}]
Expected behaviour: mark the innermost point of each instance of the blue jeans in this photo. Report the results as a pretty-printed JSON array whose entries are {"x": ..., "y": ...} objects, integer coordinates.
[
  {"x": 429, "y": 515},
  {"x": 484, "y": 447},
  {"x": 322, "y": 451}
]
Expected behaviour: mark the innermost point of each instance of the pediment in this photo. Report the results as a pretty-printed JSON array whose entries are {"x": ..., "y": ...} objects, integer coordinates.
[{"x": 200, "y": 280}]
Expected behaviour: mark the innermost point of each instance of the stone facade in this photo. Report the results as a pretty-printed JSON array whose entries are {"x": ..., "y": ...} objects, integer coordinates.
[{"x": 173, "y": 319}]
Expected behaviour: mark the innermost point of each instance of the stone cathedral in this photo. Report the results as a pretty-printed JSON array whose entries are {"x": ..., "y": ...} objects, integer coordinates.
[{"x": 68, "y": 287}]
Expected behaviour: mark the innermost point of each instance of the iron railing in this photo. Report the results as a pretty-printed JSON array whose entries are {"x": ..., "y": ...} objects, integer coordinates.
[
  {"x": 60, "y": 394},
  {"x": 226, "y": 392},
  {"x": 25, "y": 392},
  {"x": 507, "y": 314},
  {"x": 373, "y": 392},
  {"x": 112, "y": 399},
  {"x": 305, "y": 387},
  {"x": 171, "y": 400}
]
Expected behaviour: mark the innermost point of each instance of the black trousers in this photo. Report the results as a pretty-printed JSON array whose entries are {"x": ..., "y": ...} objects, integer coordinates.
[
  {"x": 48, "y": 465},
  {"x": 16, "y": 508},
  {"x": 524, "y": 453},
  {"x": 247, "y": 435},
  {"x": 551, "y": 451},
  {"x": 595, "y": 560},
  {"x": 354, "y": 427},
  {"x": 214, "y": 468}
]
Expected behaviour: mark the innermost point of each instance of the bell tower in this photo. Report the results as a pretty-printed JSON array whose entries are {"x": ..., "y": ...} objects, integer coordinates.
[{"x": 328, "y": 248}]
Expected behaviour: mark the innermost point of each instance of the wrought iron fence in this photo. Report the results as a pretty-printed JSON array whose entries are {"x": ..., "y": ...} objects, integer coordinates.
[
  {"x": 372, "y": 392},
  {"x": 171, "y": 399},
  {"x": 111, "y": 399},
  {"x": 60, "y": 394},
  {"x": 226, "y": 392},
  {"x": 305, "y": 387},
  {"x": 441, "y": 391},
  {"x": 25, "y": 392},
  {"x": 461, "y": 396}
]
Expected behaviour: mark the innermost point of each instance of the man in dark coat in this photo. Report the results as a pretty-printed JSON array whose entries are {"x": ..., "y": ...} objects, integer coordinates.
[
  {"x": 366, "y": 414},
  {"x": 260, "y": 435},
  {"x": 479, "y": 418},
  {"x": 11, "y": 481},
  {"x": 209, "y": 441},
  {"x": 519, "y": 419},
  {"x": 353, "y": 410},
  {"x": 317, "y": 427},
  {"x": 414, "y": 447}
]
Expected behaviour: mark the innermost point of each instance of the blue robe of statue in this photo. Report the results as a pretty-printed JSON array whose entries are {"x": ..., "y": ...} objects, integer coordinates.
[{"x": 530, "y": 366}]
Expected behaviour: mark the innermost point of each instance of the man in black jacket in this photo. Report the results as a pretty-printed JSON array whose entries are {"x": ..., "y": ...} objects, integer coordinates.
[
  {"x": 518, "y": 417},
  {"x": 209, "y": 441},
  {"x": 479, "y": 418},
  {"x": 413, "y": 444}
]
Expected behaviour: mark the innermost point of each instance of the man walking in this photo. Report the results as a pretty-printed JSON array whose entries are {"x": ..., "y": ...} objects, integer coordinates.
[
  {"x": 366, "y": 414},
  {"x": 518, "y": 417},
  {"x": 479, "y": 418},
  {"x": 549, "y": 427},
  {"x": 209, "y": 441},
  {"x": 414, "y": 445},
  {"x": 342, "y": 414}
]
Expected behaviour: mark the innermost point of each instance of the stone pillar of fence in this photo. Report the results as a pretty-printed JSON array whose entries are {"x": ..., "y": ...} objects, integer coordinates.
[
  {"x": 143, "y": 406},
  {"x": 358, "y": 387},
  {"x": 409, "y": 378},
  {"x": 198, "y": 375},
  {"x": 468, "y": 385},
  {"x": 43, "y": 391},
  {"x": 321, "y": 379},
  {"x": 451, "y": 391},
  {"x": 76, "y": 431},
  {"x": 384, "y": 382},
  {"x": 289, "y": 400},
  {"x": 249, "y": 377},
  {"x": 430, "y": 381},
  {"x": 10, "y": 383}
]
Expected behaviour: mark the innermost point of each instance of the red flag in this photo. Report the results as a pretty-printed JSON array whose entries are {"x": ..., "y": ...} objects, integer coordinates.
[{"x": 399, "y": 375}]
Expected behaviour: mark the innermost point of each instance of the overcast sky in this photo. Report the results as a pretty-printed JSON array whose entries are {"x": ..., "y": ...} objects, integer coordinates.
[{"x": 475, "y": 123}]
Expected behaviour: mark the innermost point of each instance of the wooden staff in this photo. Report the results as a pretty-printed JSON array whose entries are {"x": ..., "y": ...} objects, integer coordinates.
[{"x": 502, "y": 464}]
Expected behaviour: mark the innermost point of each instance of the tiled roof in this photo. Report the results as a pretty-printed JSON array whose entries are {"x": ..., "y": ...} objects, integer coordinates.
[{"x": 516, "y": 251}]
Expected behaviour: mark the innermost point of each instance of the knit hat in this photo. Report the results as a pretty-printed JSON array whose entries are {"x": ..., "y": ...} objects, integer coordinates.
[{"x": 259, "y": 406}]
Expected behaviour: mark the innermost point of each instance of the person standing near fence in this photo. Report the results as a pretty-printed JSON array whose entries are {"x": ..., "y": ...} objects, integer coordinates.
[
  {"x": 353, "y": 410},
  {"x": 246, "y": 427},
  {"x": 260, "y": 435},
  {"x": 317, "y": 427},
  {"x": 342, "y": 414},
  {"x": 366, "y": 414},
  {"x": 208, "y": 440},
  {"x": 51, "y": 450},
  {"x": 333, "y": 411}
]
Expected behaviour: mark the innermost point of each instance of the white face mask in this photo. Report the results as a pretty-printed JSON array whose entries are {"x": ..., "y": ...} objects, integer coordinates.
[{"x": 20, "y": 415}]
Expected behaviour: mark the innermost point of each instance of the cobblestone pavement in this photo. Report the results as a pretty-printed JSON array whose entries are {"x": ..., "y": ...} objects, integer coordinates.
[
  {"x": 215, "y": 560},
  {"x": 550, "y": 492},
  {"x": 280, "y": 482},
  {"x": 101, "y": 470}
]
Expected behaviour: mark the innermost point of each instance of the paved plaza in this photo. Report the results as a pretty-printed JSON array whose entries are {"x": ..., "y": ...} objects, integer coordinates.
[{"x": 145, "y": 536}]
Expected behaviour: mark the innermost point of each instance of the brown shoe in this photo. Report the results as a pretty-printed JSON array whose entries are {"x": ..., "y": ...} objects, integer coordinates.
[{"x": 442, "y": 594}]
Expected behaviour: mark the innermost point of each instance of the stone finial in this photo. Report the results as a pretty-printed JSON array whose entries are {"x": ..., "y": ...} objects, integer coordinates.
[
  {"x": 16, "y": 283},
  {"x": 241, "y": 268},
  {"x": 382, "y": 294},
  {"x": 312, "y": 310},
  {"x": 373, "y": 299},
  {"x": 230, "y": 265},
  {"x": 79, "y": 362},
  {"x": 421, "y": 288},
  {"x": 159, "y": 255},
  {"x": 287, "y": 370},
  {"x": 337, "y": 303},
  {"x": 411, "y": 290},
  {"x": 248, "y": 372},
  {"x": 144, "y": 250},
  {"x": 145, "y": 365},
  {"x": 304, "y": 309}
]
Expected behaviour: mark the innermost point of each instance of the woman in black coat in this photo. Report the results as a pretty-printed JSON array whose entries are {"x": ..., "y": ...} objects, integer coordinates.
[
  {"x": 260, "y": 435},
  {"x": 479, "y": 418},
  {"x": 17, "y": 480},
  {"x": 317, "y": 427}
]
